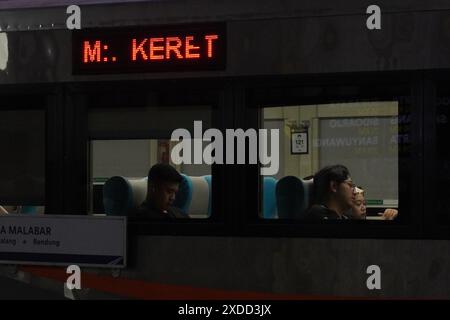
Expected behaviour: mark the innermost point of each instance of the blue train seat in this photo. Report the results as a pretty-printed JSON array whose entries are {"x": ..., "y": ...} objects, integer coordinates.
[
  {"x": 269, "y": 198},
  {"x": 121, "y": 195},
  {"x": 293, "y": 197},
  {"x": 30, "y": 210},
  {"x": 194, "y": 196},
  {"x": 208, "y": 179}
]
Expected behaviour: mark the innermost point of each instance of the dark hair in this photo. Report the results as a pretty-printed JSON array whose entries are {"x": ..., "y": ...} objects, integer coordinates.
[
  {"x": 322, "y": 179},
  {"x": 162, "y": 172}
]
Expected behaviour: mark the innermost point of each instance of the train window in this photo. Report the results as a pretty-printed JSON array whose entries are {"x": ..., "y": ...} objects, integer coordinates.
[
  {"x": 354, "y": 146},
  {"x": 127, "y": 142},
  {"x": 441, "y": 168},
  {"x": 22, "y": 169}
]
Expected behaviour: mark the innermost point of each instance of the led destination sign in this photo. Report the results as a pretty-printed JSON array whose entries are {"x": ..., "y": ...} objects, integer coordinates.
[{"x": 152, "y": 49}]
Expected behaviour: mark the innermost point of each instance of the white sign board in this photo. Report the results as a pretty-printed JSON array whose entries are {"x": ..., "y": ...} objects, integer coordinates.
[
  {"x": 299, "y": 142},
  {"x": 63, "y": 240}
]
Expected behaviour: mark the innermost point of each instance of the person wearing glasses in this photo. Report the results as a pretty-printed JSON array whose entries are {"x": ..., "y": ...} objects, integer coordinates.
[{"x": 334, "y": 194}]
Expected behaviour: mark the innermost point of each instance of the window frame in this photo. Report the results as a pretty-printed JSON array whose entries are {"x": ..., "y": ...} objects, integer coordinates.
[
  {"x": 190, "y": 92},
  {"x": 432, "y": 80},
  {"x": 49, "y": 99},
  {"x": 287, "y": 91},
  {"x": 66, "y": 134}
]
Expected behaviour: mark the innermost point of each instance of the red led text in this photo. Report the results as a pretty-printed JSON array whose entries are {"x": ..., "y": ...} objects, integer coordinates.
[{"x": 169, "y": 48}]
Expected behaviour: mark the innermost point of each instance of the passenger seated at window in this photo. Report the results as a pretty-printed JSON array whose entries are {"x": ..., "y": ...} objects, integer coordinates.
[
  {"x": 3, "y": 211},
  {"x": 359, "y": 210},
  {"x": 334, "y": 194},
  {"x": 33, "y": 210},
  {"x": 163, "y": 183},
  {"x": 10, "y": 210}
]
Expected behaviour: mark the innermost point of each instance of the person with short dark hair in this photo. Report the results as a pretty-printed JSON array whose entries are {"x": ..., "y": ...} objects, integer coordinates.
[
  {"x": 163, "y": 184},
  {"x": 334, "y": 194}
]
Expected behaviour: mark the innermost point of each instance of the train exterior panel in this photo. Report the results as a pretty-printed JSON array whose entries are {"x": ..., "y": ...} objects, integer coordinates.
[{"x": 275, "y": 55}]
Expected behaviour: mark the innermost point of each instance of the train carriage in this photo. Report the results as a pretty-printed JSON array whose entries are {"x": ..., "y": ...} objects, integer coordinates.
[{"x": 85, "y": 114}]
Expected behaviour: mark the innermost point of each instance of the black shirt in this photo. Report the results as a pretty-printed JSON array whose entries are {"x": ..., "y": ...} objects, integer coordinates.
[
  {"x": 147, "y": 210},
  {"x": 321, "y": 212}
]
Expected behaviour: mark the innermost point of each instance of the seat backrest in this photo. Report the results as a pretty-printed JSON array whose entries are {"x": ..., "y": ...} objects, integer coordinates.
[
  {"x": 208, "y": 179},
  {"x": 293, "y": 196},
  {"x": 121, "y": 195},
  {"x": 194, "y": 196},
  {"x": 269, "y": 198},
  {"x": 308, "y": 198},
  {"x": 32, "y": 210}
]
